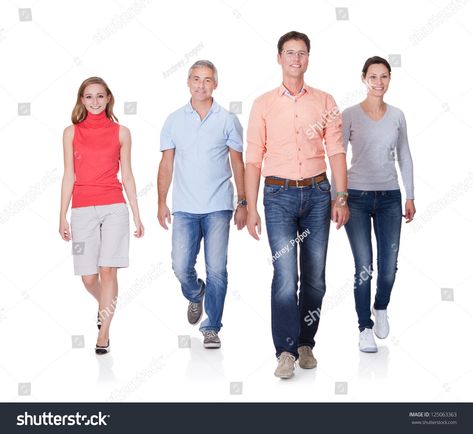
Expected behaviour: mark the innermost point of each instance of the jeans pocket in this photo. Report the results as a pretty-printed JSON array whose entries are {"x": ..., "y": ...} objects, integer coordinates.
[
  {"x": 273, "y": 190},
  {"x": 355, "y": 194},
  {"x": 393, "y": 194},
  {"x": 324, "y": 186}
]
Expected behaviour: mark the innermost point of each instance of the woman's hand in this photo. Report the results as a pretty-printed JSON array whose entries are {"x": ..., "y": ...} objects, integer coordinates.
[
  {"x": 410, "y": 210},
  {"x": 140, "y": 229},
  {"x": 64, "y": 230}
]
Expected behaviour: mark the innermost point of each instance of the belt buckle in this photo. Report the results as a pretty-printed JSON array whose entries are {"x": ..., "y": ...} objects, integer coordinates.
[{"x": 297, "y": 183}]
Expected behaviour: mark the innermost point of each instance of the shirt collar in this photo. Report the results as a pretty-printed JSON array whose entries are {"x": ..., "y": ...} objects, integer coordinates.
[
  {"x": 213, "y": 109},
  {"x": 283, "y": 91}
]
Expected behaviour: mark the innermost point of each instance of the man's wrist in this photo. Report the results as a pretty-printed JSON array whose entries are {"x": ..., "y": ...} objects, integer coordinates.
[{"x": 341, "y": 201}]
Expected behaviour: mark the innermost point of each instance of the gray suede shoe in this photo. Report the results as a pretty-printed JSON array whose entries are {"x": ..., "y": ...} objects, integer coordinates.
[
  {"x": 285, "y": 367},
  {"x": 306, "y": 358}
]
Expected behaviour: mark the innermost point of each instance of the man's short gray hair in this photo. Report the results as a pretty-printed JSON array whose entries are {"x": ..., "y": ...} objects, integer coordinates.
[{"x": 204, "y": 64}]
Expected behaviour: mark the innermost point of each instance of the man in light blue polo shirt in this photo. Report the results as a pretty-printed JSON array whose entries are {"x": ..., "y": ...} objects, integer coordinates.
[{"x": 196, "y": 143}]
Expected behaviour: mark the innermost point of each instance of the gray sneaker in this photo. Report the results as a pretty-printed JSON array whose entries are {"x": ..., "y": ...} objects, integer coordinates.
[
  {"x": 285, "y": 367},
  {"x": 211, "y": 339},
  {"x": 194, "y": 310},
  {"x": 306, "y": 358}
]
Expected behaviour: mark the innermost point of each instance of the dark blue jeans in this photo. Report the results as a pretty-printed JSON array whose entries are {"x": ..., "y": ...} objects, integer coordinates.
[
  {"x": 297, "y": 219},
  {"x": 187, "y": 233},
  {"x": 384, "y": 209}
]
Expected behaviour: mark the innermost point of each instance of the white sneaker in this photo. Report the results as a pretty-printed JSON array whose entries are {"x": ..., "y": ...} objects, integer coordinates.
[
  {"x": 367, "y": 343},
  {"x": 381, "y": 324}
]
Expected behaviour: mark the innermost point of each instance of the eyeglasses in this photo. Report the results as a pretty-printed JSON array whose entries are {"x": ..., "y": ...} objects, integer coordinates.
[{"x": 292, "y": 54}]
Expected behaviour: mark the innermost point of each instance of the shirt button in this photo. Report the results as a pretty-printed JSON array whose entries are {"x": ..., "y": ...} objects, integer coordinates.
[{"x": 300, "y": 164}]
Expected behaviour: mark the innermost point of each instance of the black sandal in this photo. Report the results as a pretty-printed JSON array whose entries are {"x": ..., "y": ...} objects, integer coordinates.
[{"x": 99, "y": 320}]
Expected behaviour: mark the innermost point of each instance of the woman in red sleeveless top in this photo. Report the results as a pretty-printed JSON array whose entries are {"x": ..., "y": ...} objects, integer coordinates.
[{"x": 95, "y": 148}]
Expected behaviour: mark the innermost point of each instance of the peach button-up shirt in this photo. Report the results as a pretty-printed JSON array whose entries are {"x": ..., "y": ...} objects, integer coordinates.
[{"x": 289, "y": 136}]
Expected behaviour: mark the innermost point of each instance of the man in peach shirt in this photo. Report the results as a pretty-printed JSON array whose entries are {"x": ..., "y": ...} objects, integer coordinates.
[{"x": 290, "y": 130}]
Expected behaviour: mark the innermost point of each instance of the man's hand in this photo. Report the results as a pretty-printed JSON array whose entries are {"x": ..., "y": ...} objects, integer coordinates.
[
  {"x": 340, "y": 213},
  {"x": 253, "y": 224},
  {"x": 240, "y": 217},
  {"x": 164, "y": 215}
]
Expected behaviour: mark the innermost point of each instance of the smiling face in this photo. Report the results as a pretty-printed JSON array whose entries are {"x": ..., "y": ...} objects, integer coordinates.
[
  {"x": 294, "y": 59},
  {"x": 377, "y": 79},
  {"x": 95, "y": 98},
  {"x": 201, "y": 84}
]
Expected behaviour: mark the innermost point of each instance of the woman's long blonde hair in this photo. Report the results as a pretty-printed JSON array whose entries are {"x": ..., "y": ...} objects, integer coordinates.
[{"x": 79, "y": 112}]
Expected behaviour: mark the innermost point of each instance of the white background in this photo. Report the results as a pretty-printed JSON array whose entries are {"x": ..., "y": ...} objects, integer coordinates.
[{"x": 143, "y": 50}]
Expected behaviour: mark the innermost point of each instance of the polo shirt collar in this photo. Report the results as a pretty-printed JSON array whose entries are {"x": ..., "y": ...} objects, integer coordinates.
[{"x": 215, "y": 107}]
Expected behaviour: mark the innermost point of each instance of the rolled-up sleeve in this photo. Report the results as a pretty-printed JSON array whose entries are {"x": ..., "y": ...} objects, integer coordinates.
[
  {"x": 333, "y": 134},
  {"x": 256, "y": 135}
]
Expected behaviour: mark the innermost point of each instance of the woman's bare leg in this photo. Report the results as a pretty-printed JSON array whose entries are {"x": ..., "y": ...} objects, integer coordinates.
[
  {"x": 108, "y": 301},
  {"x": 92, "y": 284}
]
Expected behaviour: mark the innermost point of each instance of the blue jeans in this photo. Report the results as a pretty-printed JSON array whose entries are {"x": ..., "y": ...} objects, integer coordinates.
[
  {"x": 385, "y": 210},
  {"x": 297, "y": 219},
  {"x": 187, "y": 233}
]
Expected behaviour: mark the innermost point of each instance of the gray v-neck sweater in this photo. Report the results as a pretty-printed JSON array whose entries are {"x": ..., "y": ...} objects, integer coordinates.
[{"x": 376, "y": 147}]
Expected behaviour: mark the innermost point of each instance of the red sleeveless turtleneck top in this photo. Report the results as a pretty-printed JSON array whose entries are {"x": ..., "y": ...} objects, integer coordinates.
[{"x": 96, "y": 162}]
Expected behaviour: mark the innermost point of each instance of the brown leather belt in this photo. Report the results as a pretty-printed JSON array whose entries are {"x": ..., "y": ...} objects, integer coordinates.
[{"x": 296, "y": 182}]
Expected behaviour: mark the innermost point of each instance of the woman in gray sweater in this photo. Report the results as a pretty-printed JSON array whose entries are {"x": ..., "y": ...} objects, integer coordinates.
[{"x": 378, "y": 137}]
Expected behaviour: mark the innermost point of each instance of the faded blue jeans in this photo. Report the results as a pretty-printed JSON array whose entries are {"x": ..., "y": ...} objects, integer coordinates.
[
  {"x": 187, "y": 233},
  {"x": 384, "y": 209},
  {"x": 297, "y": 219}
]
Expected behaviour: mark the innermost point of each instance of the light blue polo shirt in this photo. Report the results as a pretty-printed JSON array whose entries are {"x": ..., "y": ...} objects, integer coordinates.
[{"x": 202, "y": 173}]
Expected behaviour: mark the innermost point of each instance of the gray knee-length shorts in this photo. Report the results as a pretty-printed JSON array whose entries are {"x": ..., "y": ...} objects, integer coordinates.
[{"x": 100, "y": 237}]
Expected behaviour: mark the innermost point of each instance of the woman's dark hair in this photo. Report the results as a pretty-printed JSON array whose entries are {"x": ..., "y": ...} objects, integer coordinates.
[
  {"x": 375, "y": 60},
  {"x": 293, "y": 35}
]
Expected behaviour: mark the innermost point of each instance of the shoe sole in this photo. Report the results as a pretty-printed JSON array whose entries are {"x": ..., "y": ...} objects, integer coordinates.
[
  {"x": 212, "y": 346},
  {"x": 369, "y": 350},
  {"x": 284, "y": 377},
  {"x": 100, "y": 351},
  {"x": 307, "y": 366}
]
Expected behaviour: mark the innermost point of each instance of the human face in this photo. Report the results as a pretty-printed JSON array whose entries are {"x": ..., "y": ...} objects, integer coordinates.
[
  {"x": 294, "y": 58},
  {"x": 201, "y": 84},
  {"x": 95, "y": 98},
  {"x": 377, "y": 79}
]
